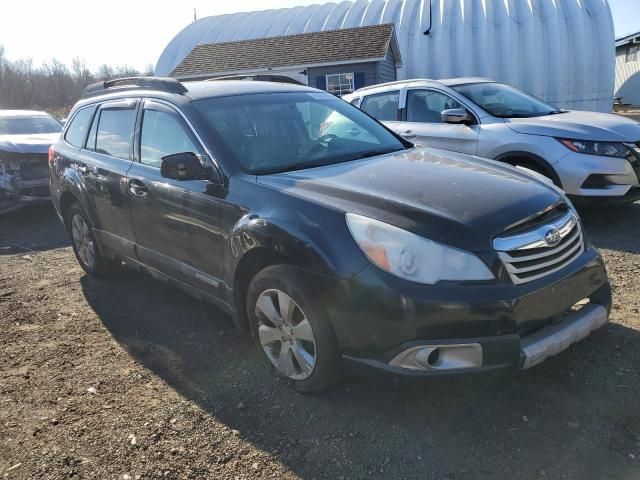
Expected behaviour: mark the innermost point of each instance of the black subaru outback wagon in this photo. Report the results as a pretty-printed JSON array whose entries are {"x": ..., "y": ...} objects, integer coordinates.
[{"x": 326, "y": 236}]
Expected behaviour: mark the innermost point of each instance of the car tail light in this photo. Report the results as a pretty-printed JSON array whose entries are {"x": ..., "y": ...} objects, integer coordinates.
[{"x": 52, "y": 153}]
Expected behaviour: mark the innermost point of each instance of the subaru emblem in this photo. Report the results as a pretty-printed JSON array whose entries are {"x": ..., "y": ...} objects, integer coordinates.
[{"x": 552, "y": 237}]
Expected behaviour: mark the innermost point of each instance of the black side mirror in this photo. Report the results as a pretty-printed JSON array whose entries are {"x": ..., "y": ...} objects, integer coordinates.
[{"x": 183, "y": 166}]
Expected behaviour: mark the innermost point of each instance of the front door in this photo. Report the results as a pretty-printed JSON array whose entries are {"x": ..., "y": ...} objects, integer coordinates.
[
  {"x": 176, "y": 223},
  {"x": 424, "y": 126}
]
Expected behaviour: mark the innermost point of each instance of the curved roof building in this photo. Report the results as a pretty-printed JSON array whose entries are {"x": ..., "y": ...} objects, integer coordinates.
[{"x": 560, "y": 50}]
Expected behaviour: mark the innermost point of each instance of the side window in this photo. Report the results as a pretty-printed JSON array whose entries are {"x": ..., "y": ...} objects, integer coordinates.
[
  {"x": 77, "y": 131},
  {"x": 633, "y": 53},
  {"x": 383, "y": 106},
  {"x": 427, "y": 105},
  {"x": 111, "y": 132},
  {"x": 164, "y": 134}
]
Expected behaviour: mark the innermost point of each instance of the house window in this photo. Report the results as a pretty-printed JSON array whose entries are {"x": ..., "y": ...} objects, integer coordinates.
[
  {"x": 633, "y": 53},
  {"x": 340, "y": 83}
]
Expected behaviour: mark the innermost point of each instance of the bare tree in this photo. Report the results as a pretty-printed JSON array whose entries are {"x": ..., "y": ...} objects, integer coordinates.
[
  {"x": 105, "y": 72},
  {"x": 53, "y": 86}
]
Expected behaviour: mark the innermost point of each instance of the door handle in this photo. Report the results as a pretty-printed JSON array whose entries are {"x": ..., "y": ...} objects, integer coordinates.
[
  {"x": 137, "y": 188},
  {"x": 408, "y": 135}
]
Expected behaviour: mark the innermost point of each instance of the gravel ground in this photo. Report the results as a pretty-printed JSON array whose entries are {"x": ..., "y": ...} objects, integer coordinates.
[{"x": 128, "y": 379}]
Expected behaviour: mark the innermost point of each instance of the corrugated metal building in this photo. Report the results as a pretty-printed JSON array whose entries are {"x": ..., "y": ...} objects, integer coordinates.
[
  {"x": 628, "y": 69},
  {"x": 559, "y": 50}
]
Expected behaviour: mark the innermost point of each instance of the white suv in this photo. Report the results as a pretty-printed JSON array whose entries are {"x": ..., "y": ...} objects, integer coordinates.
[{"x": 588, "y": 154}]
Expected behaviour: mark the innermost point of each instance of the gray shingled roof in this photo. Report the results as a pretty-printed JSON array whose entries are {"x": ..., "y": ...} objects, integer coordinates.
[{"x": 316, "y": 48}]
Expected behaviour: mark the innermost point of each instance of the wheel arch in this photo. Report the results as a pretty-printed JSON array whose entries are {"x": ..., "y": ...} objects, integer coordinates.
[
  {"x": 247, "y": 268},
  {"x": 518, "y": 157},
  {"x": 66, "y": 200}
]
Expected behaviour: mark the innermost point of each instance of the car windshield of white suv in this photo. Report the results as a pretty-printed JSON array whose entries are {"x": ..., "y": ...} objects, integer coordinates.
[
  {"x": 24, "y": 125},
  {"x": 504, "y": 101},
  {"x": 277, "y": 132}
]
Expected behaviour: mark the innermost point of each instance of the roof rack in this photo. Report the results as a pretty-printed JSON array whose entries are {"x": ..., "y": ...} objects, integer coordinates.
[
  {"x": 259, "y": 77},
  {"x": 164, "y": 84}
]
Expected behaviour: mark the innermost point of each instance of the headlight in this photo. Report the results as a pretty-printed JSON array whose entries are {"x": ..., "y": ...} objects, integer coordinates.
[
  {"x": 605, "y": 149},
  {"x": 411, "y": 256}
]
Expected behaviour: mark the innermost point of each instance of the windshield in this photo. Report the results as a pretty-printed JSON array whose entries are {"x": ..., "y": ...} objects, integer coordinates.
[
  {"x": 504, "y": 101},
  {"x": 275, "y": 132},
  {"x": 24, "y": 125}
]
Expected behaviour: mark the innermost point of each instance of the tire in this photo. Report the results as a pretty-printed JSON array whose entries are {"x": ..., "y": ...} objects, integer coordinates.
[
  {"x": 307, "y": 354},
  {"x": 85, "y": 246}
]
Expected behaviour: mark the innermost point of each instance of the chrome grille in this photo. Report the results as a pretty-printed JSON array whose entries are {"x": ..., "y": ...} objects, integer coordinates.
[{"x": 533, "y": 254}]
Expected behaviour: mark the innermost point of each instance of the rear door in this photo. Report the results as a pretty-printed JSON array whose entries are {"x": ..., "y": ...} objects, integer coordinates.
[
  {"x": 423, "y": 124},
  {"x": 176, "y": 223},
  {"x": 103, "y": 164},
  {"x": 384, "y": 107}
]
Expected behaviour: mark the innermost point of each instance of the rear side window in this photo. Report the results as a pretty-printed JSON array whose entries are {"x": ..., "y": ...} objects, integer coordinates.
[
  {"x": 77, "y": 131},
  {"x": 383, "y": 106},
  {"x": 111, "y": 132}
]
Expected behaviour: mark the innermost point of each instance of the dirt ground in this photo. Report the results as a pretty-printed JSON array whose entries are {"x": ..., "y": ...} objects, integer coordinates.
[{"x": 127, "y": 379}]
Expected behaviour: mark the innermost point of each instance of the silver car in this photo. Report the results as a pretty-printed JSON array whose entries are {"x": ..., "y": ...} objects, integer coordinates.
[{"x": 590, "y": 155}]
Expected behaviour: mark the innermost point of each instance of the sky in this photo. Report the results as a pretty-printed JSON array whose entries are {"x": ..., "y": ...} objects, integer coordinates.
[{"x": 134, "y": 32}]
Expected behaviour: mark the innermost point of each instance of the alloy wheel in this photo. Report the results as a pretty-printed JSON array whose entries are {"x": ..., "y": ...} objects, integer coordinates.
[
  {"x": 286, "y": 335},
  {"x": 83, "y": 240}
]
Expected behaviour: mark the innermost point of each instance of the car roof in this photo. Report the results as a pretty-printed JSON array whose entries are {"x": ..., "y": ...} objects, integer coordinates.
[
  {"x": 422, "y": 82},
  {"x": 22, "y": 113}
]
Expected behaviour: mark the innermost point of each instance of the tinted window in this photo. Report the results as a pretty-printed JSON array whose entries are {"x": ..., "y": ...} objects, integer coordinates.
[
  {"x": 504, "y": 101},
  {"x": 163, "y": 134},
  {"x": 29, "y": 125},
  {"x": 427, "y": 105},
  {"x": 383, "y": 106},
  {"x": 77, "y": 131},
  {"x": 288, "y": 131},
  {"x": 113, "y": 133}
]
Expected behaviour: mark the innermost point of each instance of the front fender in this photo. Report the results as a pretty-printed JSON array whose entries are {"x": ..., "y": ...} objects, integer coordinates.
[{"x": 304, "y": 243}]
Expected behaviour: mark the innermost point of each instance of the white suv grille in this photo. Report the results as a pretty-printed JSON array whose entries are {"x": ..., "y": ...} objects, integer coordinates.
[{"x": 542, "y": 251}]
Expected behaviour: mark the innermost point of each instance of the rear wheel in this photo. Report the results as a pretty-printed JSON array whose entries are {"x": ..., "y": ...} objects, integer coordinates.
[
  {"x": 84, "y": 244},
  {"x": 293, "y": 329}
]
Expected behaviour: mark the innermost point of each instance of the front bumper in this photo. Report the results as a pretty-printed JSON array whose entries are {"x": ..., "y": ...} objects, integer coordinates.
[
  {"x": 376, "y": 317},
  {"x": 575, "y": 169},
  {"x": 16, "y": 193}
]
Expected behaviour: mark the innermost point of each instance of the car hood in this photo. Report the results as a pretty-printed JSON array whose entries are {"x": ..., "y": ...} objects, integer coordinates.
[
  {"x": 579, "y": 126},
  {"x": 451, "y": 198},
  {"x": 36, "y": 143}
]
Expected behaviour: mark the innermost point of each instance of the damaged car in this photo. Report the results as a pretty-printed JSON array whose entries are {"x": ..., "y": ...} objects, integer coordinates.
[{"x": 25, "y": 138}]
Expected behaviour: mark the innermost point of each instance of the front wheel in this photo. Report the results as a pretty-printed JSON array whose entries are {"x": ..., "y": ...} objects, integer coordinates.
[
  {"x": 84, "y": 244},
  {"x": 293, "y": 328}
]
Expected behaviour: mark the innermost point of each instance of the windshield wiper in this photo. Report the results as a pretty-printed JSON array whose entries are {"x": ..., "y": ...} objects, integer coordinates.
[
  {"x": 375, "y": 153},
  {"x": 303, "y": 165}
]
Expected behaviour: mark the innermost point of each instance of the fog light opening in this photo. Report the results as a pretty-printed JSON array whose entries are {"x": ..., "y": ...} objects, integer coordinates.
[
  {"x": 433, "y": 358},
  {"x": 440, "y": 357}
]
